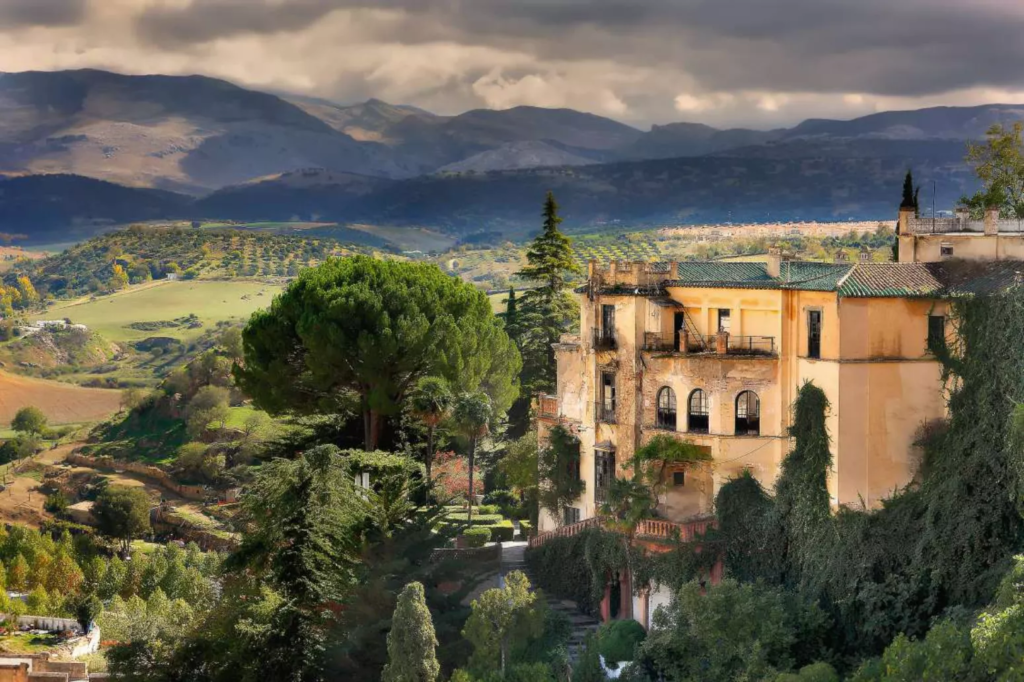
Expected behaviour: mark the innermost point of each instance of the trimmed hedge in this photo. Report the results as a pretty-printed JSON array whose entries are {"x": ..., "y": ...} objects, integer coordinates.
[
  {"x": 477, "y": 537},
  {"x": 502, "y": 532},
  {"x": 478, "y": 519},
  {"x": 617, "y": 640},
  {"x": 525, "y": 529}
]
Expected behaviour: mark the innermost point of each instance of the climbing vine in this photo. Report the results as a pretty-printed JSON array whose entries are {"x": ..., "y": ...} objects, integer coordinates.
[{"x": 944, "y": 541}]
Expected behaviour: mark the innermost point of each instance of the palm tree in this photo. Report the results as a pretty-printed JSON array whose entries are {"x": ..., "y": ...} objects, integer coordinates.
[
  {"x": 471, "y": 415},
  {"x": 431, "y": 403}
]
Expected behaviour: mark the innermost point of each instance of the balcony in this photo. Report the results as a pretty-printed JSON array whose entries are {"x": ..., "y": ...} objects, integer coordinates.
[
  {"x": 605, "y": 413},
  {"x": 751, "y": 345},
  {"x": 728, "y": 344},
  {"x": 604, "y": 339}
]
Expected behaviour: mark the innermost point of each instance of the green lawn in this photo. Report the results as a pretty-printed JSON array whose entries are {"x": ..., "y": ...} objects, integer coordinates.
[{"x": 210, "y": 301}]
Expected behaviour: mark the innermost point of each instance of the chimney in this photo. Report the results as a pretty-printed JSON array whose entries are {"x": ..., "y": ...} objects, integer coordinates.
[
  {"x": 991, "y": 221},
  {"x": 906, "y": 215},
  {"x": 961, "y": 216},
  {"x": 774, "y": 265}
]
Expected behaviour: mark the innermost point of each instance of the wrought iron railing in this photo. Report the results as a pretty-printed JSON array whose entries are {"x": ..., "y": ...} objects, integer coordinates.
[
  {"x": 605, "y": 413},
  {"x": 604, "y": 339},
  {"x": 752, "y": 345}
]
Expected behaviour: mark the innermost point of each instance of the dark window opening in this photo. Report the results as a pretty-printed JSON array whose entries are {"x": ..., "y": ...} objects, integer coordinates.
[
  {"x": 678, "y": 323},
  {"x": 604, "y": 473},
  {"x": 678, "y": 478},
  {"x": 724, "y": 320},
  {"x": 748, "y": 414},
  {"x": 608, "y": 322},
  {"x": 697, "y": 413},
  {"x": 946, "y": 250},
  {"x": 814, "y": 334},
  {"x": 607, "y": 404},
  {"x": 936, "y": 331},
  {"x": 572, "y": 515},
  {"x": 666, "y": 418}
]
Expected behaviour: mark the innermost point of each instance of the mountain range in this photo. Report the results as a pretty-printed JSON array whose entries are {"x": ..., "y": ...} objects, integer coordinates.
[{"x": 198, "y": 147}]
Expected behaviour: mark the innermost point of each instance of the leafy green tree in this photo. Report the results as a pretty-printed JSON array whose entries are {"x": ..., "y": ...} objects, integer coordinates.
[
  {"x": 498, "y": 616},
  {"x": 471, "y": 416},
  {"x": 29, "y": 420},
  {"x": 18, "y": 573},
  {"x": 199, "y": 462},
  {"x": 549, "y": 310},
  {"x": 87, "y": 607},
  {"x": 302, "y": 515},
  {"x": 122, "y": 513},
  {"x": 372, "y": 328},
  {"x": 431, "y": 402},
  {"x": 412, "y": 644},
  {"x": 726, "y": 632},
  {"x": 588, "y": 668},
  {"x": 520, "y": 465},
  {"x": 999, "y": 164},
  {"x": 38, "y": 602},
  {"x": 558, "y": 465},
  {"x": 210, "y": 405}
]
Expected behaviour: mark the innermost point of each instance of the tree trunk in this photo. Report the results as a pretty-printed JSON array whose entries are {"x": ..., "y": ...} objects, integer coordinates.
[
  {"x": 472, "y": 453},
  {"x": 430, "y": 451},
  {"x": 367, "y": 429}
]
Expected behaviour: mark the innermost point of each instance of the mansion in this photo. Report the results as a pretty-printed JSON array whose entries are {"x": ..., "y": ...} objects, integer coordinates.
[{"x": 715, "y": 352}]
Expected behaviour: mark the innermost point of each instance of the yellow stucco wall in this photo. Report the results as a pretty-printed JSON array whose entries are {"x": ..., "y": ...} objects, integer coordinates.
[
  {"x": 925, "y": 248},
  {"x": 874, "y": 369}
]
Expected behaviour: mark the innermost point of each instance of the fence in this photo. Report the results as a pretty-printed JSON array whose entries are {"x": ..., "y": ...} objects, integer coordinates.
[
  {"x": 752, "y": 345},
  {"x": 605, "y": 413},
  {"x": 604, "y": 339}
]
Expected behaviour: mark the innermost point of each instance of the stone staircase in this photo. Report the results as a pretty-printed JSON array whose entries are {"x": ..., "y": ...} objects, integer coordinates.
[{"x": 512, "y": 559}]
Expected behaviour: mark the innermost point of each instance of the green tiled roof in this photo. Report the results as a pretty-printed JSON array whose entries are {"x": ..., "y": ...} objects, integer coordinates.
[
  {"x": 861, "y": 280},
  {"x": 887, "y": 280},
  {"x": 792, "y": 275}
]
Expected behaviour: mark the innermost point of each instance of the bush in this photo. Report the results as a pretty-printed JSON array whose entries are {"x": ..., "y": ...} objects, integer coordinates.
[
  {"x": 501, "y": 498},
  {"x": 56, "y": 503},
  {"x": 478, "y": 519},
  {"x": 618, "y": 640},
  {"x": 477, "y": 537},
  {"x": 525, "y": 529},
  {"x": 815, "y": 672},
  {"x": 502, "y": 532}
]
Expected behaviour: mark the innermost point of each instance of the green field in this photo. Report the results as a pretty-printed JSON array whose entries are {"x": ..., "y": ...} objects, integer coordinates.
[{"x": 210, "y": 301}]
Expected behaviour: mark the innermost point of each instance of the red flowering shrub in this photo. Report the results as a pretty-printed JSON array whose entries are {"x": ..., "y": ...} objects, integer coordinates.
[{"x": 451, "y": 475}]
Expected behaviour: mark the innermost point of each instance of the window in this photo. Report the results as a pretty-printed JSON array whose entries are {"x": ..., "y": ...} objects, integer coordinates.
[
  {"x": 606, "y": 407},
  {"x": 946, "y": 250},
  {"x": 666, "y": 418},
  {"x": 608, "y": 321},
  {"x": 697, "y": 412},
  {"x": 678, "y": 478},
  {"x": 572, "y": 515},
  {"x": 814, "y": 334},
  {"x": 936, "y": 331},
  {"x": 574, "y": 469},
  {"x": 604, "y": 473},
  {"x": 748, "y": 414},
  {"x": 724, "y": 320}
]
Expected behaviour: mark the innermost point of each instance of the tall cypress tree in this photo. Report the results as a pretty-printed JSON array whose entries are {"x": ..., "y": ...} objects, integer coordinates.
[
  {"x": 511, "y": 316},
  {"x": 412, "y": 644},
  {"x": 549, "y": 310}
]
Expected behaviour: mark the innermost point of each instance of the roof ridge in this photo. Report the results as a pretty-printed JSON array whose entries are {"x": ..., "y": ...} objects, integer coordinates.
[{"x": 842, "y": 280}]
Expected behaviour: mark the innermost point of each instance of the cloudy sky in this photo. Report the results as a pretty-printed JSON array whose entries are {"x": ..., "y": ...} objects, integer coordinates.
[{"x": 757, "y": 63}]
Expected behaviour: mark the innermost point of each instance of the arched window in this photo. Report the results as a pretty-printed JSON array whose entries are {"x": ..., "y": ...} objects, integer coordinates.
[
  {"x": 666, "y": 418},
  {"x": 697, "y": 412},
  {"x": 748, "y": 414}
]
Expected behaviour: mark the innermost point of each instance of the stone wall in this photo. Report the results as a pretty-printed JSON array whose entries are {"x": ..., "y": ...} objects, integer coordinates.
[{"x": 155, "y": 474}]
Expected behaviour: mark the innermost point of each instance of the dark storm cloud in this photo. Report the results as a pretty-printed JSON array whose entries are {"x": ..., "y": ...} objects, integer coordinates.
[
  {"x": 24, "y": 13},
  {"x": 889, "y": 47}
]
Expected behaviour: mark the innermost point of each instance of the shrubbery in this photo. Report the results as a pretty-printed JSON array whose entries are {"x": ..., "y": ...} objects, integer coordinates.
[{"x": 477, "y": 537}]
